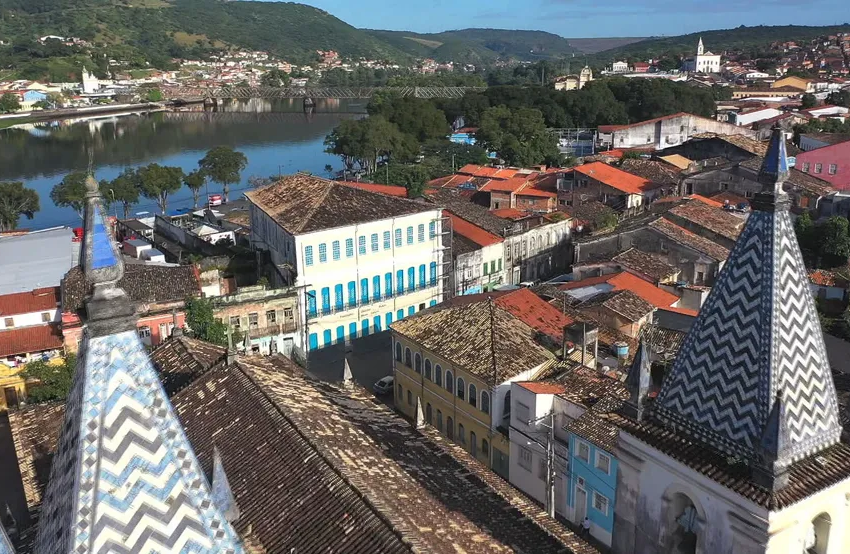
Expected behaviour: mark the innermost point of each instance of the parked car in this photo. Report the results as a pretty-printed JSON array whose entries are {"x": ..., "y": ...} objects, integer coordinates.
[{"x": 384, "y": 385}]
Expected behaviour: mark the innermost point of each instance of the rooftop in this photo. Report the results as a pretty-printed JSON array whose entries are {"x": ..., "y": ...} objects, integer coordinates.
[
  {"x": 828, "y": 138},
  {"x": 38, "y": 300},
  {"x": 677, "y": 160},
  {"x": 304, "y": 203},
  {"x": 142, "y": 283},
  {"x": 622, "y": 302},
  {"x": 615, "y": 178},
  {"x": 472, "y": 232},
  {"x": 478, "y": 215},
  {"x": 630, "y": 282},
  {"x": 641, "y": 262},
  {"x": 652, "y": 170},
  {"x": 827, "y": 278},
  {"x": 27, "y": 340},
  {"x": 391, "y": 190},
  {"x": 476, "y": 335},
  {"x": 689, "y": 239},
  {"x": 41, "y": 258},
  {"x": 612, "y": 128},
  {"x": 179, "y": 360},
  {"x": 714, "y": 219}
]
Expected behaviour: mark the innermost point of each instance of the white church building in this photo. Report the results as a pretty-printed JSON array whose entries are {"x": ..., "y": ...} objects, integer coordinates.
[
  {"x": 703, "y": 62},
  {"x": 740, "y": 451}
]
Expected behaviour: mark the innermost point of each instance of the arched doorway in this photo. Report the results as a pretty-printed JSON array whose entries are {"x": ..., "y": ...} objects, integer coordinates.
[
  {"x": 816, "y": 540},
  {"x": 685, "y": 528}
]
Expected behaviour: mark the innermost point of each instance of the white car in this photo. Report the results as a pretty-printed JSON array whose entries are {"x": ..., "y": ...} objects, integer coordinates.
[{"x": 384, "y": 385}]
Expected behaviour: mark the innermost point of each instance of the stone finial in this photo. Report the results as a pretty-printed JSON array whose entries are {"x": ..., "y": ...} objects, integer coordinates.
[
  {"x": 221, "y": 492},
  {"x": 419, "y": 422},
  {"x": 638, "y": 382},
  {"x": 231, "y": 349},
  {"x": 176, "y": 330},
  {"x": 772, "y": 472},
  {"x": 347, "y": 376}
]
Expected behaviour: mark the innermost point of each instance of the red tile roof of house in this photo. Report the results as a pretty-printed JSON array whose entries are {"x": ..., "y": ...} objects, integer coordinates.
[
  {"x": 391, "y": 190},
  {"x": 589, "y": 282},
  {"x": 611, "y": 128},
  {"x": 514, "y": 184},
  {"x": 531, "y": 191},
  {"x": 535, "y": 312},
  {"x": 542, "y": 387},
  {"x": 38, "y": 300},
  {"x": 509, "y": 213},
  {"x": 615, "y": 178},
  {"x": 826, "y": 278},
  {"x": 646, "y": 290},
  {"x": 28, "y": 340},
  {"x": 471, "y": 231},
  {"x": 708, "y": 201},
  {"x": 684, "y": 311}
]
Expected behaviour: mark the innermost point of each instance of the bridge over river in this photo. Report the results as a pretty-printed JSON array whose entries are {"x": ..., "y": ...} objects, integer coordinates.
[{"x": 314, "y": 93}]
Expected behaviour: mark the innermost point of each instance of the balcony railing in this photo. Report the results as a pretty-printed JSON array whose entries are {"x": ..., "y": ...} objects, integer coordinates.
[
  {"x": 271, "y": 330},
  {"x": 333, "y": 309}
]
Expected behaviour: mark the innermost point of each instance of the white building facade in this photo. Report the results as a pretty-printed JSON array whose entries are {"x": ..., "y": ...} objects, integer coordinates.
[
  {"x": 359, "y": 260},
  {"x": 703, "y": 62}
]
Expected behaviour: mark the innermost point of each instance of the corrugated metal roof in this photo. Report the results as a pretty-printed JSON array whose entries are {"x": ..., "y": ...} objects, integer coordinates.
[{"x": 36, "y": 260}]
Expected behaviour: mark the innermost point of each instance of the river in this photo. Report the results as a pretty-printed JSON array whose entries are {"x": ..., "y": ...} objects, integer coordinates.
[{"x": 275, "y": 135}]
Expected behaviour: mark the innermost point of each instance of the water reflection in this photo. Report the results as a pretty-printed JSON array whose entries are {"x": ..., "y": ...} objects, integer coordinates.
[{"x": 276, "y": 135}]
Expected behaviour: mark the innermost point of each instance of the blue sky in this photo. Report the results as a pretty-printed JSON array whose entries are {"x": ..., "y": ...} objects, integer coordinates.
[{"x": 584, "y": 18}]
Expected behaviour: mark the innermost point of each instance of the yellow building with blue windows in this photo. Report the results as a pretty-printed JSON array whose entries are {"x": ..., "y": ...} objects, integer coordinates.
[{"x": 458, "y": 360}]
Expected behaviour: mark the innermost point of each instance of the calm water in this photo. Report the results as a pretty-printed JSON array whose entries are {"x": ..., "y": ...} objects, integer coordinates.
[{"x": 276, "y": 136}]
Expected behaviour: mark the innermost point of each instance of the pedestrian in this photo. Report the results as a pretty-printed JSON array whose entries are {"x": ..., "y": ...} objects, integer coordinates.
[{"x": 585, "y": 526}]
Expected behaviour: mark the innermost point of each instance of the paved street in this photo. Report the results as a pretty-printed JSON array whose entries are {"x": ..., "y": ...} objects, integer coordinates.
[{"x": 370, "y": 358}]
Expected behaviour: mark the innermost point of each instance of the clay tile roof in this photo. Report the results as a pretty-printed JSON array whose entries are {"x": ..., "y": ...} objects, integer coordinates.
[
  {"x": 35, "y": 429},
  {"x": 514, "y": 184},
  {"x": 38, "y": 300},
  {"x": 411, "y": 478},
  {"x": 472, "y": 232},
  {"x": 471, "y": 334},
  {"x": 691, "y": 240},
  {"x": 828, "y": 138},
  {"x": 615, "y": 178},
  {"x": 142, "y": 283},
  {"x": 304, "y": 203},
  {"x": 584, "y": 386},
  {"x": 462, "y": 207},
  {"x": 27, "y": 340},
  {"x": 535, "y": 312},
  {"x": 707, "y": 201},
  {"x": 641, "y": 262},
  {"x": 657, "y": 297},
  {"x": 180, "y": 360},
  {"x": 530, "y": 191},
  {"x": 390, "y": 190},
  {"x": 652, "y": 170},
  {"x": 542, "y": 387},
  {"x": 510, "y": 213},
  {"x": 623, "y": 302},
  {"x": 826, "y": 278},
  {"x": 677, "y": 160},
  {"x": 734, "y": 199},
  {"x": 711, "y": 218},
  {"x": 589, "y": 282}
]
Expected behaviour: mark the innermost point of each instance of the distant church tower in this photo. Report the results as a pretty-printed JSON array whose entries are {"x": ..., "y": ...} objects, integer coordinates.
[
  {"x": 90, "y": 82},
  {"x": 585, "y": 76},
  {"x": 700, "y": 48}
]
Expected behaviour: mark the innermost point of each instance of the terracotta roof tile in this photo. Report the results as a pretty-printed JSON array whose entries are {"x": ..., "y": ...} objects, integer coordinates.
[
  {"x": 711, "y": 218},
  {"x": 510, "y": 213},
  {"x": 652, "y": 170},
  {"x": 38, "y": 300},
  {"x": 649, "y": 292},
  {"x": 472, "y": 333},
  {"x": 623, "y": 302},
  {"x": 677, "y": 160},
  {"x": 535, "y": 312},
  {"x": 390, "y": 190},
  {"x": 827, "y": 278},
  {"x": 615, "y": 178},
  {"x": 542, "y": 387},
  {"x": 27, "y": 340},
  {"x": 643, "y": 263},
  {"x": 707, "y": 201},
  {"x": 180, "y": 360},
  {"x": 471, "y": 231},
  {"x": 303, "y": 204},
  {"x": 142, "y": 283},
  {"x": 691, "y": 240},
  {"x": 514, "y": 184}
]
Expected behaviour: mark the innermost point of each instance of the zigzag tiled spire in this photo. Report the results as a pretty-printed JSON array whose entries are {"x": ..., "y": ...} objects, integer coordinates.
[
  {"x": 752, "y": 377},
  {"x": 124, "y": 478},
  {"x": 5, "y": 544}
]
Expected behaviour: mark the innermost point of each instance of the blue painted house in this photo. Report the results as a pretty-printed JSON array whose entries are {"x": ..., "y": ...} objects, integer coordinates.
[{"x": 591, "y": 482}]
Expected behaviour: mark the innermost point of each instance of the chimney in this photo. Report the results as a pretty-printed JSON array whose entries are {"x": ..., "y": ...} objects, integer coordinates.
[{"x": 176, "y": 330}]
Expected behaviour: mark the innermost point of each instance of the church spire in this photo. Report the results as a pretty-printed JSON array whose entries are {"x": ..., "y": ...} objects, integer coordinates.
[
  {"x": 124, "y": 477},
  {"x": 752, "y": 378},
  {"x": 700, "y": 48},
  {"x": 637, "y": 383}
]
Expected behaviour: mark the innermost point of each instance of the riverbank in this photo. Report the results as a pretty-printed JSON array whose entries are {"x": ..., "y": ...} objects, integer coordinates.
[{"x": 20, "y": 118}]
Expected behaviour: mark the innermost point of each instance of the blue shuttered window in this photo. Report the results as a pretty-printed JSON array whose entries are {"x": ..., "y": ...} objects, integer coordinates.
[
  {"x": 399, "y": 315},
  {"x": 340, "y": 334},
  {"x": 338, "y": 299},
  {"x": 376, "y": 288},
  {"x": 326, "y": 336},
  {"x": 361, "y": 245},
  {"x": 314, "y": 341},
  {"x": 398, "y": 238},
  {"x": 308, "y": 255},
  {"x": 335, "y": 249},
  {"x": 352, "y": 293},
  {"x": 388, "y": 285},
  {"x": 420, "y": 232},
  {"x": 432, "y": 230},
  {"x": 311, "y": 302},
  {"x": 387, "y": 240},
  {"x": 323, "y": 253},
  {"x": 376, "y": 322},
  {"x": 349, "y": 248},
  {"x": 410, "y": 235},
  {"x": 352, "y": 330},
  {"x": 365, "y": 328},
  {"x": 433, "y": 273},
  {"x": 364, "y": 290},
  {"x": 326, "y": 301},
  {"x": 374, "y": 242},
  {"x": 411, "y": 278},
  {"x": 399, "y": 281},
  {"x": 422, "y": 275}
]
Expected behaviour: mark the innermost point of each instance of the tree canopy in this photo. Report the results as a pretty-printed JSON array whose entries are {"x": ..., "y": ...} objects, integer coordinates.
[
  {"x": 202, "y": 322},
  {"x": 158, "y": 181},
  {"x": 194, "y": 181},
  {"x": 413, "y": 116},
  {"x": 275, "y": 78},
  {"x": 125, "y": 189},
  {"x": 363, "y": 143},
  {"x": 223, "y": 165},
  {"x": 9, "y": 103},
  {"x": 71, "y": 192},
  {"x": 16, "y": 200},
  {"x": 54, "y": 380},
  {"x": 518, "y": 136}
]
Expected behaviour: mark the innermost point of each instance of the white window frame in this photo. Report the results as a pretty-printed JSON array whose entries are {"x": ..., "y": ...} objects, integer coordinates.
[
  {"x": 144, "y": 331},
  {"x": 604, "y": 502},
  {"x": 602, "y": 456},
  {"x": 579, "y": 446},
  {"x": 525, "y": 459}
]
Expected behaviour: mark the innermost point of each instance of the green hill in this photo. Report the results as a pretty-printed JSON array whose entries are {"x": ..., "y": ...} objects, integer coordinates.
[
  {"x": 479, "y": 45},
  {"x": 748, "y": 39}
]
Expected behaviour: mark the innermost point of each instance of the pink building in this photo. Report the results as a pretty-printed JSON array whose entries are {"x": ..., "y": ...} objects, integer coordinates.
[{"x": 830, "y": 163}]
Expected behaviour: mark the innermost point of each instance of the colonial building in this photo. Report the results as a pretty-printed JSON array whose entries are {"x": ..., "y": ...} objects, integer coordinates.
[
  {"x": 703, "y": 62},
  {"x": 359, "y": 259},
  {"x": 458, "y": 360},
  {"x": 574, "y": 82},
  {"x": 266, "y": 318},
  {"x": 478, "y": 257},
  {"x": 664, "y": 132},
  {"x": 740, "y": 451},
  {"x": 124, "y": 476}
]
